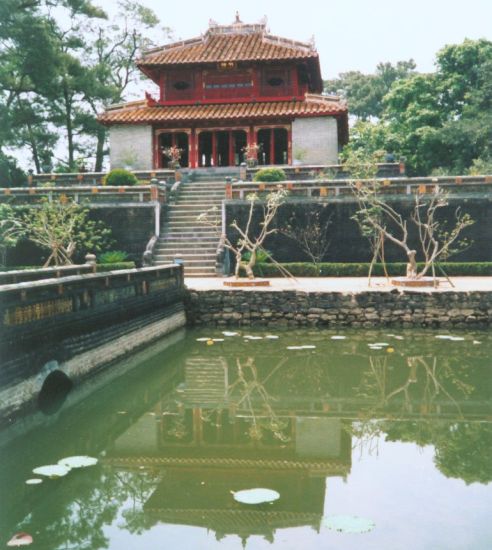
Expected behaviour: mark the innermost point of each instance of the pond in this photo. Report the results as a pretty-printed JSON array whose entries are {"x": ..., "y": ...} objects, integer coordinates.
[{"x": 371, "y": 439}]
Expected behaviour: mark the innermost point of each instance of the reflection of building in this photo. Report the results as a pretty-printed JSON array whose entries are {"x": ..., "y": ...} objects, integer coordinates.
[
  {"x": 201, "y": 438},
  {"x": 233, "y": 88}
]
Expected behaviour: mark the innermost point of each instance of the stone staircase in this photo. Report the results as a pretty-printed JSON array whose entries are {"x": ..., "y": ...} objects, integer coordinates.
[{"x": 182, "y": 234}]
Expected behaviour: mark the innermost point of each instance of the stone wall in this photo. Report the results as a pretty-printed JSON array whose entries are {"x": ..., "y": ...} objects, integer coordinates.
[
  {"x": 365, "y": 309},
  {"x": 317, "y": 138},
  {"x": 74, "y": 326},
  {"x": 346, "y": 242},
  {"x": 131, "y": 145},
  {"x": 131, "y": 228}
]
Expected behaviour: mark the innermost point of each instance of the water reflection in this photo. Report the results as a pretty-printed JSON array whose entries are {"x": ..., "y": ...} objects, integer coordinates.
[{"x": 176, "y": 441}]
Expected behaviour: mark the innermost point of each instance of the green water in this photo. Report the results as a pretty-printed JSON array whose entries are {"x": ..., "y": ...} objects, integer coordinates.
[{"x": 400, "y": 436}]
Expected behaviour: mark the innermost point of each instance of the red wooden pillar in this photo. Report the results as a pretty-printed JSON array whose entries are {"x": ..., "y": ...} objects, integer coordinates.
[
  {"x": 289, "y": 145},
  {"x": 157, "y": 161},
  {"x": 214, "y": 149},
  {"x": 231, "y": 148},
  {"x": 272, "y": 146},
  {"x": 191, "y": 149},
  {"x": 294, "y": 81}
]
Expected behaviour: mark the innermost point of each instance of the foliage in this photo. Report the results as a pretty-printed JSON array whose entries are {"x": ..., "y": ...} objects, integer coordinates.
[
  {"x": 120, "y": 176},
  {"x": 63, "y": 228},
  {"x": 101, "y": 267},
  {"x": 11, "y": 231},
  {"x": 305, "y": 269},
  {"x": 112, "y": 257},
  {"x": 365, "y": 92},
  {"x": 55, "y": 85},
  {"x": 441, "y": 120},
  {"x": 270, "y": 175},
  {"x": 10, "y": 173}
]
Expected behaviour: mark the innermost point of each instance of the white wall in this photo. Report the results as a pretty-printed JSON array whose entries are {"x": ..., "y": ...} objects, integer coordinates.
[
  {"x": 316, "y": 138},
  {"x": 130, "y": 146}
]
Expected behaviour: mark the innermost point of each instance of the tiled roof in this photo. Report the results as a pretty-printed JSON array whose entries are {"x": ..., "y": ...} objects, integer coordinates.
[
  {"x": 139, "y": 112},
  {"x": 234, "y": 46}
]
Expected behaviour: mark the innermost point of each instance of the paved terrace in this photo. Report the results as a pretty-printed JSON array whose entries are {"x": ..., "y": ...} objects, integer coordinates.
[{"x": 342, "y": 284}]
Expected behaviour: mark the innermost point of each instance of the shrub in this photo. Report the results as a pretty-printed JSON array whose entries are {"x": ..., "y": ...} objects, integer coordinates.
[
  {"x": 112, "y": 257},
  {"x": 119, "y": 176},
  {"x": 395, "y": 269},
  {"x": 115, "y": 266},
  {"x": 270, "y": 174}
]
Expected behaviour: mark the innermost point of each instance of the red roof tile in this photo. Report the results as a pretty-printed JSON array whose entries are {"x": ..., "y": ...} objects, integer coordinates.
[
  {"x": 138, "y": 112},
  {"x": 237, "y": 44}
]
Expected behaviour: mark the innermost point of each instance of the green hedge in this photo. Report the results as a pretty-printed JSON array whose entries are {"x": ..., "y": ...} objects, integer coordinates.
[
  {"x": 269, "y": 175},
  {"x": 361, "y": 270},
  {"x": 119, "y": 176},
  {"x": 115, "y": 266}
]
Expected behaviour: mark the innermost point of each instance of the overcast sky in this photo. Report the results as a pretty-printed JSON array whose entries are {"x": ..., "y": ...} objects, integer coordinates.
[{"x": 350, "y": 34}]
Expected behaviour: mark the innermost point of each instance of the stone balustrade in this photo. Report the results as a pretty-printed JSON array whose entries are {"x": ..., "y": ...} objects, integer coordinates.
[
  {"x": 83, "y": 194},
  {"x": 318, "y": 188}
]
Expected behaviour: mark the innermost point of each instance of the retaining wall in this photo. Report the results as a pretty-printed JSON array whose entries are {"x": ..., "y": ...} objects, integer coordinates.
[
  {"x": 362, "y": 309},
  {"x": 78, "y": 325}
]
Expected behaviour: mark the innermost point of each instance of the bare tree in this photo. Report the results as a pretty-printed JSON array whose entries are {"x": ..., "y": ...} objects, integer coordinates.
[
  {"x": 248, "y": 241},
  {"x": 310, "y": 231},
  {"x": 376, "y": 214}
]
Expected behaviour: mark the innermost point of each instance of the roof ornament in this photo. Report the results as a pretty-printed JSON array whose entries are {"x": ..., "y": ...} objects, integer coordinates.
[
  {"x": 312, "y": 42},
  {"x": 238, "y": 19},
  {"x": 212, "y": 23}
]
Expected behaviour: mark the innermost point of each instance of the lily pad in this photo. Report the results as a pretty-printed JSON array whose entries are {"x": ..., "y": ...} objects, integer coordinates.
[
  {"x": 375, "y": 347},
  {"x": 227, "y": 333},
  {"x": 456, "y": 338},
  {"x": 443, "y": 336},
  {"x": 202, "y": 339},
  {"x": 272, "y": 337},
  {"x": 218, "y": 339},
  {"x": 348, "y": 524},
  {"x": 34, "y": 481},
  {"x": 308, "y": 347},
  {"x": 249, "y": 337},
  {"x": 381, "y": 344},
  {"x": 338, "y": 337},
  {"x": 20, "y": 539},
  {"x": 52, "y": 470},
  {"x": 295, "y": 347},
  {"x": 78, "y": 461},
  {"x": 256, "y": 496},
  {"x": 476, "y": 342}
]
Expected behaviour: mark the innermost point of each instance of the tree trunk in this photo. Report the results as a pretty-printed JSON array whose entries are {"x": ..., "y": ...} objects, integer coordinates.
[
  {"x": 34, "y": 149},
  {"x": 101, "y": 138},
  {"x": 69, "y": 126}
]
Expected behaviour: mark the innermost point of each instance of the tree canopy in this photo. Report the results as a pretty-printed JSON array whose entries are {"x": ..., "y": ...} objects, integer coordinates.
[
  {"x": 61, "y": 63},
  {"x": 439, "y": 122}
]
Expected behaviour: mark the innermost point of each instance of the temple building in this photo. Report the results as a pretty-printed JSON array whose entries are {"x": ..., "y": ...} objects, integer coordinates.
[{"x": 235, "y": 93}]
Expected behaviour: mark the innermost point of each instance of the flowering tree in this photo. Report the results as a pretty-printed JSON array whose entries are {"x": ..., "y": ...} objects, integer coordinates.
[{"x": 63, "y": 228}]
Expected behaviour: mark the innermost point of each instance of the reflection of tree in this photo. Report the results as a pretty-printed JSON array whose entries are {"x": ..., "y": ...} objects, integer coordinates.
[
  {"x": 248, "y": 392},
  {"x": 463, "y": 452},
  {"x": 85, "y": 504},
  {"x": 430, "y": 393}
]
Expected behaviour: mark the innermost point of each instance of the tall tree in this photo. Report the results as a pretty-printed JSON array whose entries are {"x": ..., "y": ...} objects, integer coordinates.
[{"x": 365, "y": 92}]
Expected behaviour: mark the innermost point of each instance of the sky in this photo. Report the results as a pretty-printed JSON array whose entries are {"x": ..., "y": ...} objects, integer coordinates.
[{"x": 349, "y": 34}]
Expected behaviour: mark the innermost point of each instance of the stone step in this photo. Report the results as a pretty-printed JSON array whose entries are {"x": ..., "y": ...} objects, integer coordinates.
[
  {"x": 204, "y": 259},
  {"x": 191, "y": 208},
  {"x": 180, "y": 239},
  {"x": 174, "y": 226}
]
